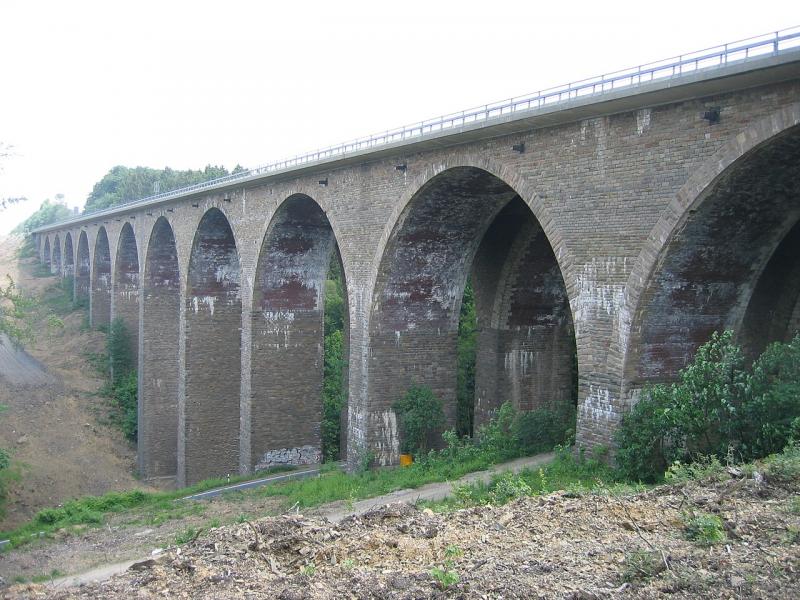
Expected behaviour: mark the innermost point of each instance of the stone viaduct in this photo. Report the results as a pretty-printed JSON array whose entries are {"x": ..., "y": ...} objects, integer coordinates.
[{"x": 607, "y": 234}]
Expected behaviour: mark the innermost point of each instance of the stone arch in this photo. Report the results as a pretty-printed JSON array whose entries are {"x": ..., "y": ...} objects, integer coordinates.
[
  {"x": 47, "y": 254},
  {"x": 69, "y": 256},
  {"x": 58, "y": 265},
  {"x": 287, "y": 334},
  {"x": 213, "y": 351},
  {"x": 126, "y": 284},
  {"x": 83, "y": 271},
  {"x": 714, "y": 259},
  {"x": 100, "y": 301},
  {"x": 160, "y": 358},
  {"x": 464, "y": 220},
  {"x": 505, "y": 173}
]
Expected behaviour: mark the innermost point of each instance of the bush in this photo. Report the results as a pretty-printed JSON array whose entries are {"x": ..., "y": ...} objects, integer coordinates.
[
  {"x": 773, "y": 401},
  {"x": 511, "y": 434},
  {"x": 706, "y": 530},
  {"x": 333, "y": 395},
  {"x": 543, "y": 429},
  {"x": 497, "y": 436},
  {"x": 120, "y": 356},
  {"x": 125, "y": 396},
  {"x": 509, "y": 486},
  {"x": 717, "y": 406},
  {"x": 419, "y": 415}
]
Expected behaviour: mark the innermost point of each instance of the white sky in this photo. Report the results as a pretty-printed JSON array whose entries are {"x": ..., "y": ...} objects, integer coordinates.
[{"x": 88, "y": 85}]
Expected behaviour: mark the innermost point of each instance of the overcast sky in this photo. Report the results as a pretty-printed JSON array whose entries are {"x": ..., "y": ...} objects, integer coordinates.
[{"x": 89, "y": 85}]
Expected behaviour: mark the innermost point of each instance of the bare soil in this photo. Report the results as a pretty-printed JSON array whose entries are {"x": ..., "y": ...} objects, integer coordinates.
[
  {"x": 564, "y": 545},
  {"x": 54, "y": 422}
]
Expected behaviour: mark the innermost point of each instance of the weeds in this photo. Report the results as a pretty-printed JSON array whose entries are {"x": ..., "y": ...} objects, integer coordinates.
[
  {"x": 704, "y": 468},
  {"x": 509, "y": 486},
  {"x": 705, "y": 530},
  {"x": 641, "y": 565},
  {"x": 189, "y": 534},
  {"x": 155, "y": 508},
  {"x": 446, "y": 575}
]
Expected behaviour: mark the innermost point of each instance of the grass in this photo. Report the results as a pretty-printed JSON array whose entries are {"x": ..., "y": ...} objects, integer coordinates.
[
  {"x": 574, "y": 474},
  {"x": 57, "y": 298},
  {"x": 54, "y": 574},
  {"x": 457, "y": 459},
  {"x": 334, "y": 484},
  {"x": 705, "y": 530},
  {"x": 152, "y": 508}
]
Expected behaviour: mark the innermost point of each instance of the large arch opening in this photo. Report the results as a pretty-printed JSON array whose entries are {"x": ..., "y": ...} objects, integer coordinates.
[
  {"x": 57, "y": 264},
  {"x": 213, "y": 351},
  {"x": 467, "y": 224},
  {"x": 82, "y": 271},
  {"x": 100, "y": 303},
  {"x": 729, "y": 263},
  {"x": 69, "y": 258},
  {"x": 126, "y": 285},
  {"x": 47, "y": 259},
  {"x": 160, "y": 369},
  {"x": 290, "y": 353}
]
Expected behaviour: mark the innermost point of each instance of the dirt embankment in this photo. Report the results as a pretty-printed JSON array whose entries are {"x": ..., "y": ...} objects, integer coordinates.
[
  {"x": 53, "y": 424},
  {"x": 566, "y": 545}
]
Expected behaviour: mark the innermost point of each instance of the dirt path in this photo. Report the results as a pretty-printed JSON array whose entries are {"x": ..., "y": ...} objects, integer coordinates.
[
  {"x": 338, "y": 511},
  {"x": 97, "y": 554},
  {"x": 54, "y": 422}
]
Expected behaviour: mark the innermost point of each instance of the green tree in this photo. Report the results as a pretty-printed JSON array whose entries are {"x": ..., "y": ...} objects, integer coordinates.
[
  {"x": 420, "y": 415},
  {"x": 48, "y": 212},
  {"x": 124, "y": 382},
  {"x": 333, "y": 392},
  {"x": 124, "y": 184},
  {"x": 467, "y": 336},
  {"x": 718, "y": 405},
  {"x": 15, "y": 313}
]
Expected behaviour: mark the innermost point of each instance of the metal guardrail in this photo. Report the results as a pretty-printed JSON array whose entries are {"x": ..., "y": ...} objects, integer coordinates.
[{"x": 674, "y": 67}]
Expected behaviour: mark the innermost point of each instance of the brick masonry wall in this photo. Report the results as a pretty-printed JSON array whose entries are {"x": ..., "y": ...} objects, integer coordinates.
[
  {"x": 56, "y": 266},
  {"x": 125, "y": 303},
  {"x": 82, "y": 269},
  {"x": 100, "y": 299},
  {"x": 69, "y": 256},
  {"x": 159, "y": 355},
  {"x": 213, "y": 352},
  {"x": 525, "y": 327},
  {"x": 287, "y": 329},
  {"x": 608, "y": 192}
]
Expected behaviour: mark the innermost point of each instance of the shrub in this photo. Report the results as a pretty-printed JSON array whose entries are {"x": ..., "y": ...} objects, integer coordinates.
[
  {"x": 706, "y": 530},
  {"x": 125, "y": 396},
  {"x": 333, "y": 395},
  {"x": 497, "y": 436},
  {"x": 717, "y": 406},
  {"x": 641, "y": 565},
  {"x": 773, "y": 401},
  {"x": 118, "y": 345},
  {"x": 420, "y": 415},
  {"x": 542, "y": 429},
  {"x": 509, "y": 486}
]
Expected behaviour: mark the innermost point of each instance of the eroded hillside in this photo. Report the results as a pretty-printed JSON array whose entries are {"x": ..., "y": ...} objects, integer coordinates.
[{"x": 54, "y": 423}]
